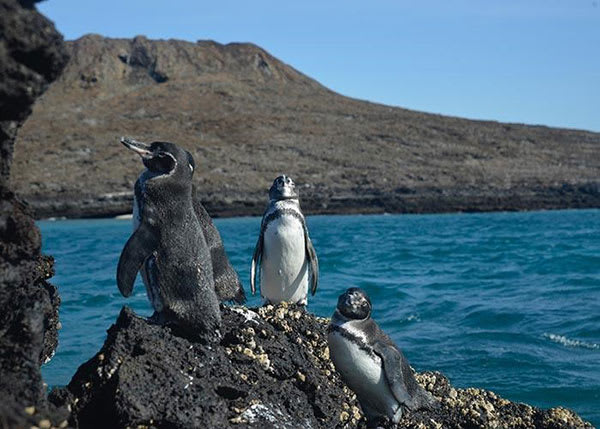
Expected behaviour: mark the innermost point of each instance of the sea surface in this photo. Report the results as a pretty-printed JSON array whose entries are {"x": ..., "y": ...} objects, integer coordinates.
[{"x": 502, "y": 301}]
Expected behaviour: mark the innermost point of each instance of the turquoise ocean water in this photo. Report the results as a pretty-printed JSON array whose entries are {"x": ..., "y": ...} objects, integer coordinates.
[{"x": 503, "y": 301}]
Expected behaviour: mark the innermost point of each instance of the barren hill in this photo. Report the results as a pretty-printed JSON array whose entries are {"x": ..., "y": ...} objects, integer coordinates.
[{"x": 247, "y": 117}]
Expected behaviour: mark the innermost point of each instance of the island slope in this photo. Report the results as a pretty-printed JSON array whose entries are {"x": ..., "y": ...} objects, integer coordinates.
[{"x": 248, "y": 117}]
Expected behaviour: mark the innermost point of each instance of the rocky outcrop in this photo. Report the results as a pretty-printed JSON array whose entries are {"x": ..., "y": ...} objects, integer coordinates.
[
  {"x": 272, "y": 367},
  {"x": 247, "y": 117},
  {"x": 31, "y": 56},
  {"x": 271, "y": 370}
]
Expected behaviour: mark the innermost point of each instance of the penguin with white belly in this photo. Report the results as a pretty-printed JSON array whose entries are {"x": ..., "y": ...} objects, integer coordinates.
[
  {"x": 168, "y": 244},
  {"x": 284, "y": 258},
  {"x": 370, "y": 363}
]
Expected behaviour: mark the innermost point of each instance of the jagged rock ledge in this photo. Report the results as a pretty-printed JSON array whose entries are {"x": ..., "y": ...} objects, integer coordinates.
[
  {"x": 32, "y": 55},
  {"x": 271, "y": 370}
]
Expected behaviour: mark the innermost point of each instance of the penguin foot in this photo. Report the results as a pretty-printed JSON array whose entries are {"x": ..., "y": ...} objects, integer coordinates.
[
  {"x": 209, "y": 336},
  {"x": 194, "y": 334},
  {"x": 157, "y": 319},
  {"x": 381, "y": 422}
]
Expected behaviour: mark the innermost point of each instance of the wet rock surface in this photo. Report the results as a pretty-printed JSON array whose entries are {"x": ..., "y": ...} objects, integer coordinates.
[
  {"x": 271, "y": 370},
  {"x": 31, "y": 56}
]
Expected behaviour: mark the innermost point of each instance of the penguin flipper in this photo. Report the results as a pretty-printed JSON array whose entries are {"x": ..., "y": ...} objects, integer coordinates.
[
  {"x": 139, "y": 246},
  {"x": 400, "y": 376},
  {"x": 311, "y": 254},
  {"x": 256, "y": 260},
  {"x": 227, "y": 282}
]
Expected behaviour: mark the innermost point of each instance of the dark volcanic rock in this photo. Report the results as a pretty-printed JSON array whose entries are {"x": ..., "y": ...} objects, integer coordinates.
[
  {"x": 28, "y": 317},
  {"x": 271, "y": 370},
  {"x": 31, "y": 56},
  {"x": 247, "y": 117},
  {"x": 478, "y": 408}
]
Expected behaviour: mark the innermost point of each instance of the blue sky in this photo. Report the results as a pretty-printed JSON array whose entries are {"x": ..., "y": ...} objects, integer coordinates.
[{"x": 535, "y": 62}]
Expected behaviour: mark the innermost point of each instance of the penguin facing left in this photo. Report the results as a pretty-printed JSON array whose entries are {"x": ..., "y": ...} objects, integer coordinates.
[
  {"x": 227, "y": 282},
  {"x": 370, "y": 363},
  {"x": 169, "y": 244}
]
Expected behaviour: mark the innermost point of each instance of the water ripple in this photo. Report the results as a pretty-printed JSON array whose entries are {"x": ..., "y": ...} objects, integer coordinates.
[
  {"x": 504, "y": 301},
  {"x": 568, "y": 342}
]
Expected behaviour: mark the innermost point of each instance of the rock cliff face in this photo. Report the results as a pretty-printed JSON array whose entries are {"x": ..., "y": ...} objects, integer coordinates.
[
  {"x": 31, "y": 56},
  {"x": 247, "y": 117},
  {"x": 271, "y": 370}
]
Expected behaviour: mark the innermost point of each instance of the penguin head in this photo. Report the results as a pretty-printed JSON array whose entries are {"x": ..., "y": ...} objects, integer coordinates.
[
  {"x": 354, "y": 304},
  {"x": 163, "y": 158},
  {"x": 283, "y": 188}
]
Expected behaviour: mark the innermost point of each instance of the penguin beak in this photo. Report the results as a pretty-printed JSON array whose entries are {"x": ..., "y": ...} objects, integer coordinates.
[
  {"x": 142, "y": 149},
  {"x": 349, "y": 301}
]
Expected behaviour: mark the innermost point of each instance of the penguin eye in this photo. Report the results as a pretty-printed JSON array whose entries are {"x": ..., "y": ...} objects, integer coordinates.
[{"x": 191, "y": 167}]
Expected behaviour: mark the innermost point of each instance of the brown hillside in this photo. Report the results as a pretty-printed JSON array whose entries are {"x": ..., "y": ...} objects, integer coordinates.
[{"x": 247, "y": 117}]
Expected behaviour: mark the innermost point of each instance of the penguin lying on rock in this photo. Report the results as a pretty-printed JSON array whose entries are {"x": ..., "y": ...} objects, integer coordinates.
[
  {"x": 370, "y": 363},
  {"x": 168, "y": 243},
  {"x": 284, "y": 253}
]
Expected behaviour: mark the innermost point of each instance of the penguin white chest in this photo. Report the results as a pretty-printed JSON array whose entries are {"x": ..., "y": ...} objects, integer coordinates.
[
  {"x": 363, "y": 372},
  {"x": 137, "y": 215},
  {"x": 284, "y": 269}
]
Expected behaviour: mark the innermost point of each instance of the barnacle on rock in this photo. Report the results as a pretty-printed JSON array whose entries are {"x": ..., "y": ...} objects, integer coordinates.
[{"x": 277, "y": 354}]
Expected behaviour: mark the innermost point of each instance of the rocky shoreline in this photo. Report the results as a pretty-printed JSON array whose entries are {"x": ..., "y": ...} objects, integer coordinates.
[
  {"x": 271, "y": 369},
  {"x": 327, "y": 201},
  {"x": 247, "y": 117}
]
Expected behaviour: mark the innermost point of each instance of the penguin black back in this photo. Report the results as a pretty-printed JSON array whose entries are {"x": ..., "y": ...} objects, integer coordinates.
[
  {"x": 169, "y": 242},
  {"x": 227, "y": 281}
]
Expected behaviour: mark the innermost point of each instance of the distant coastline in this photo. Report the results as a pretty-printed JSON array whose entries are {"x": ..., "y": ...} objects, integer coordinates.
[
  {"x": 247, "y": 117},
  {"x": 402, "y": 201}
]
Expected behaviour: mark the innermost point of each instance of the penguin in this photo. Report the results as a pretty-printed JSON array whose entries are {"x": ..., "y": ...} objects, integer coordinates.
[
  {"x": 168, "y": 244},
  {"x": 370, "y": 363},
  {"x": 284, "y": 253},
  {"x": 227, "y": 283}
]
